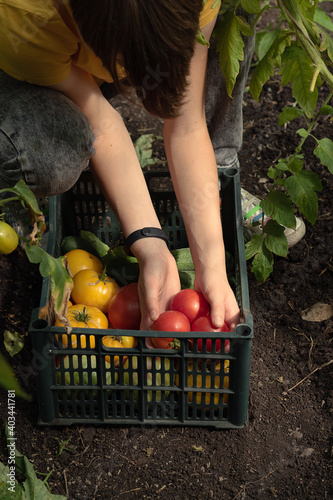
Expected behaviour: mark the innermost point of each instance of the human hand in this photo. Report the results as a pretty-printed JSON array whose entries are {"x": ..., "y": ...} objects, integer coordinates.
[
  {"x": 214, "y": 285},
  {"x": 158, "y": 279}
]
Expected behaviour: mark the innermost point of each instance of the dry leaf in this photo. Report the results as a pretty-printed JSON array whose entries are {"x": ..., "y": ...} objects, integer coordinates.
[{"x": 318, "y": 312}]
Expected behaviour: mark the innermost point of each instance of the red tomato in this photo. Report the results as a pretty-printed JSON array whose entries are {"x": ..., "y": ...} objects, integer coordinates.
[
  {"x": 124, "y": 308},
  {"x": 204, "y": 324},
  {"x": 169, "y": 321},
  {"x": 162, "y": 343},
  {"x": 191, "y": 303}
]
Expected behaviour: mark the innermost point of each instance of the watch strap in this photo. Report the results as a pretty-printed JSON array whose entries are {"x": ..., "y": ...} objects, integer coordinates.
[{"x": 146, "y": 232}]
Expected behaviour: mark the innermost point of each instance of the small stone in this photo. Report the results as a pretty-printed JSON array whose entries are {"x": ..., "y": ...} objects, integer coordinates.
[{"x": 307, "y": 452}]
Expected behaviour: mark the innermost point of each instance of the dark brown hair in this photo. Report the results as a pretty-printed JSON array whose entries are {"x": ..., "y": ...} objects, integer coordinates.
[{"x": 154, "y": 39}]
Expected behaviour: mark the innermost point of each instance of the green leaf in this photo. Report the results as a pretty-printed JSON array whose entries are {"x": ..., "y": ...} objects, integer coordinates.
[
  {"x": 276, "y": 240},
  {"x": 15, "y": 492},
  {"x": 262, "y": 264},
  {"x": 25, "y": 194},
  {"x": 28, "y": 201},
  {"x": 281, "y": 165},
  {"x": 323, "y": 19},
  {"x": 326, "y": 44},
  {"x": 201, "y": 39},
  {"x": 254, "y": 246},
  {"x": 302, "y": 132},
  {"x": 265, "y": 69},
  {"x": 288, "y": 114},
  {"x": 278, "y": 206},
  {"x": 245, "y": 28},
  {"x": 251, "y": 6},
  {"x": 60, "y": 280},
  {"x": 295, "y": 162},
  {"x": 326, "y": 109},
  {"x": 265, "y": 42},
  {"x": 273, "y": 172},
  {"x": 144, "y": 150},
  {"x": 297, "y": 68},
  {"x": 13, "y": 342},
  {"x": 302, "y": 187},
  {"x": 324, "y": 151},
  {"x": 33, "y": 488},
  {"x": 230, "y": 47},
  {"x": 8, "y": 380}
]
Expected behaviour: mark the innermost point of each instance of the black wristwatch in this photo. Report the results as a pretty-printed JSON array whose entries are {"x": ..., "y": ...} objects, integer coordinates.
[{"x": 146, "y": 232}]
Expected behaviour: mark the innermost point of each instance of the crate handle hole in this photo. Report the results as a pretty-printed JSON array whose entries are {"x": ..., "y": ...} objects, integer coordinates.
[
  {"x": 243, "y": 330},
  {"x": 39, "y": 324}
]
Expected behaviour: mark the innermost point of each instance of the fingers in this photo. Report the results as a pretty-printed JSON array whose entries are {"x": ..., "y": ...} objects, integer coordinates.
[
  {"x": 224, "y": 306},
  {"x": 158, "y": 282},
  {"x": 150, "y": 307}
]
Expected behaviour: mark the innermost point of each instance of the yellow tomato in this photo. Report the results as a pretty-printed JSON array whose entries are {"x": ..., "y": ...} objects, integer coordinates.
[
  {"x": 109, "y": 341},
  {"x": 81, "y": 316},
  {"x": 94, "y": 289},
  {"x": 208, "y": 385},
  {"x": 128, "y": 342},
  {"x": 81, "y": 259}
]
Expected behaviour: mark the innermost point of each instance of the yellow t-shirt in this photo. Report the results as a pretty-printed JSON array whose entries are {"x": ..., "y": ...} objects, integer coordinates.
[{"x": 37, "y": 46}]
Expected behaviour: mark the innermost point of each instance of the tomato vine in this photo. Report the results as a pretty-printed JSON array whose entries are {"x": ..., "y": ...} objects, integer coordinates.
[{"x": 300, "y": 49}]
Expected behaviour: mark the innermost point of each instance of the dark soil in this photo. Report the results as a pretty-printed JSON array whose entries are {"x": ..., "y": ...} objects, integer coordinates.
[{"x": 286, "y": 450}]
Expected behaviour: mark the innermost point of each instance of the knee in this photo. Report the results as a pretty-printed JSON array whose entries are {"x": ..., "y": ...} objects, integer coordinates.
[{"x": 48, "y": 147}]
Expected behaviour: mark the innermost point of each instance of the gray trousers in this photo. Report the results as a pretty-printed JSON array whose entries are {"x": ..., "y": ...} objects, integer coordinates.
[{"x": 46, "y": 139}]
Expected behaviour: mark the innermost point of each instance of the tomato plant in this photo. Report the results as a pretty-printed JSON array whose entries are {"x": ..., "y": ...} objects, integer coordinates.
[
  {"x": 94, "y": 289},
  {"x": 124, "y": 308},
  {"x": 8, "y": 238},
  {"x": 81, "y": 259},
  {"x": 191, "y": 303},
  {"x": 204, "y": 324}
]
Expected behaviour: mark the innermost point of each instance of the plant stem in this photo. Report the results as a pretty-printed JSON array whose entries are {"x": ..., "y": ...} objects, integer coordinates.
[
  {"x": 6, "y": 200},
  {"x": 295, "y": 20},
  {"x": 312, "y": 124}
]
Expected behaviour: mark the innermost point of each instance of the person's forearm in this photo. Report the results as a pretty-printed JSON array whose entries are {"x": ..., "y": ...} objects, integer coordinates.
[
  {"x": 194, "y": 173},
  {"x": 117, "y": 169},
  {"x": 115, "y": 163}
]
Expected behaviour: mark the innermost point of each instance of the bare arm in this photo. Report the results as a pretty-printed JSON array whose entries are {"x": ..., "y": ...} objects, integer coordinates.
[
  {"x": 194, "y": 173},
  {"x": 120, "y": 176}
]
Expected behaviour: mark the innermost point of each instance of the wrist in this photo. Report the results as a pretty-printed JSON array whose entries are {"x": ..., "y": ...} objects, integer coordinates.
[
  {"x": 145, "y": 248},
  {"x": 144, "y": 233}
]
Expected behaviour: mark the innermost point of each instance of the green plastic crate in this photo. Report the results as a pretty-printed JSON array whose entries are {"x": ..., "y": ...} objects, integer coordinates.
[{"x": 88, "y": 383}]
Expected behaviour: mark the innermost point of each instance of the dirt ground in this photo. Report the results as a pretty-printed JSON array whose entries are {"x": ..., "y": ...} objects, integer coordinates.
[{"x": 286, "y": 449}]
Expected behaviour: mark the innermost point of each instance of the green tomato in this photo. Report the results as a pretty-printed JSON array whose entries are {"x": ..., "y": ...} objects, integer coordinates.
[
  {"x": 89, "y": 365},
  {"x": 8, "y": 238}
]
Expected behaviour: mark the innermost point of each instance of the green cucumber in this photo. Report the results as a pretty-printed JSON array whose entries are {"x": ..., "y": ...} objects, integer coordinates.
[
  {"x": 75, "y": 242},
  {"x": 183, "y": 259},
  {"x": 101, "y": 248},
  {"x": 186, "y": 279}
]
